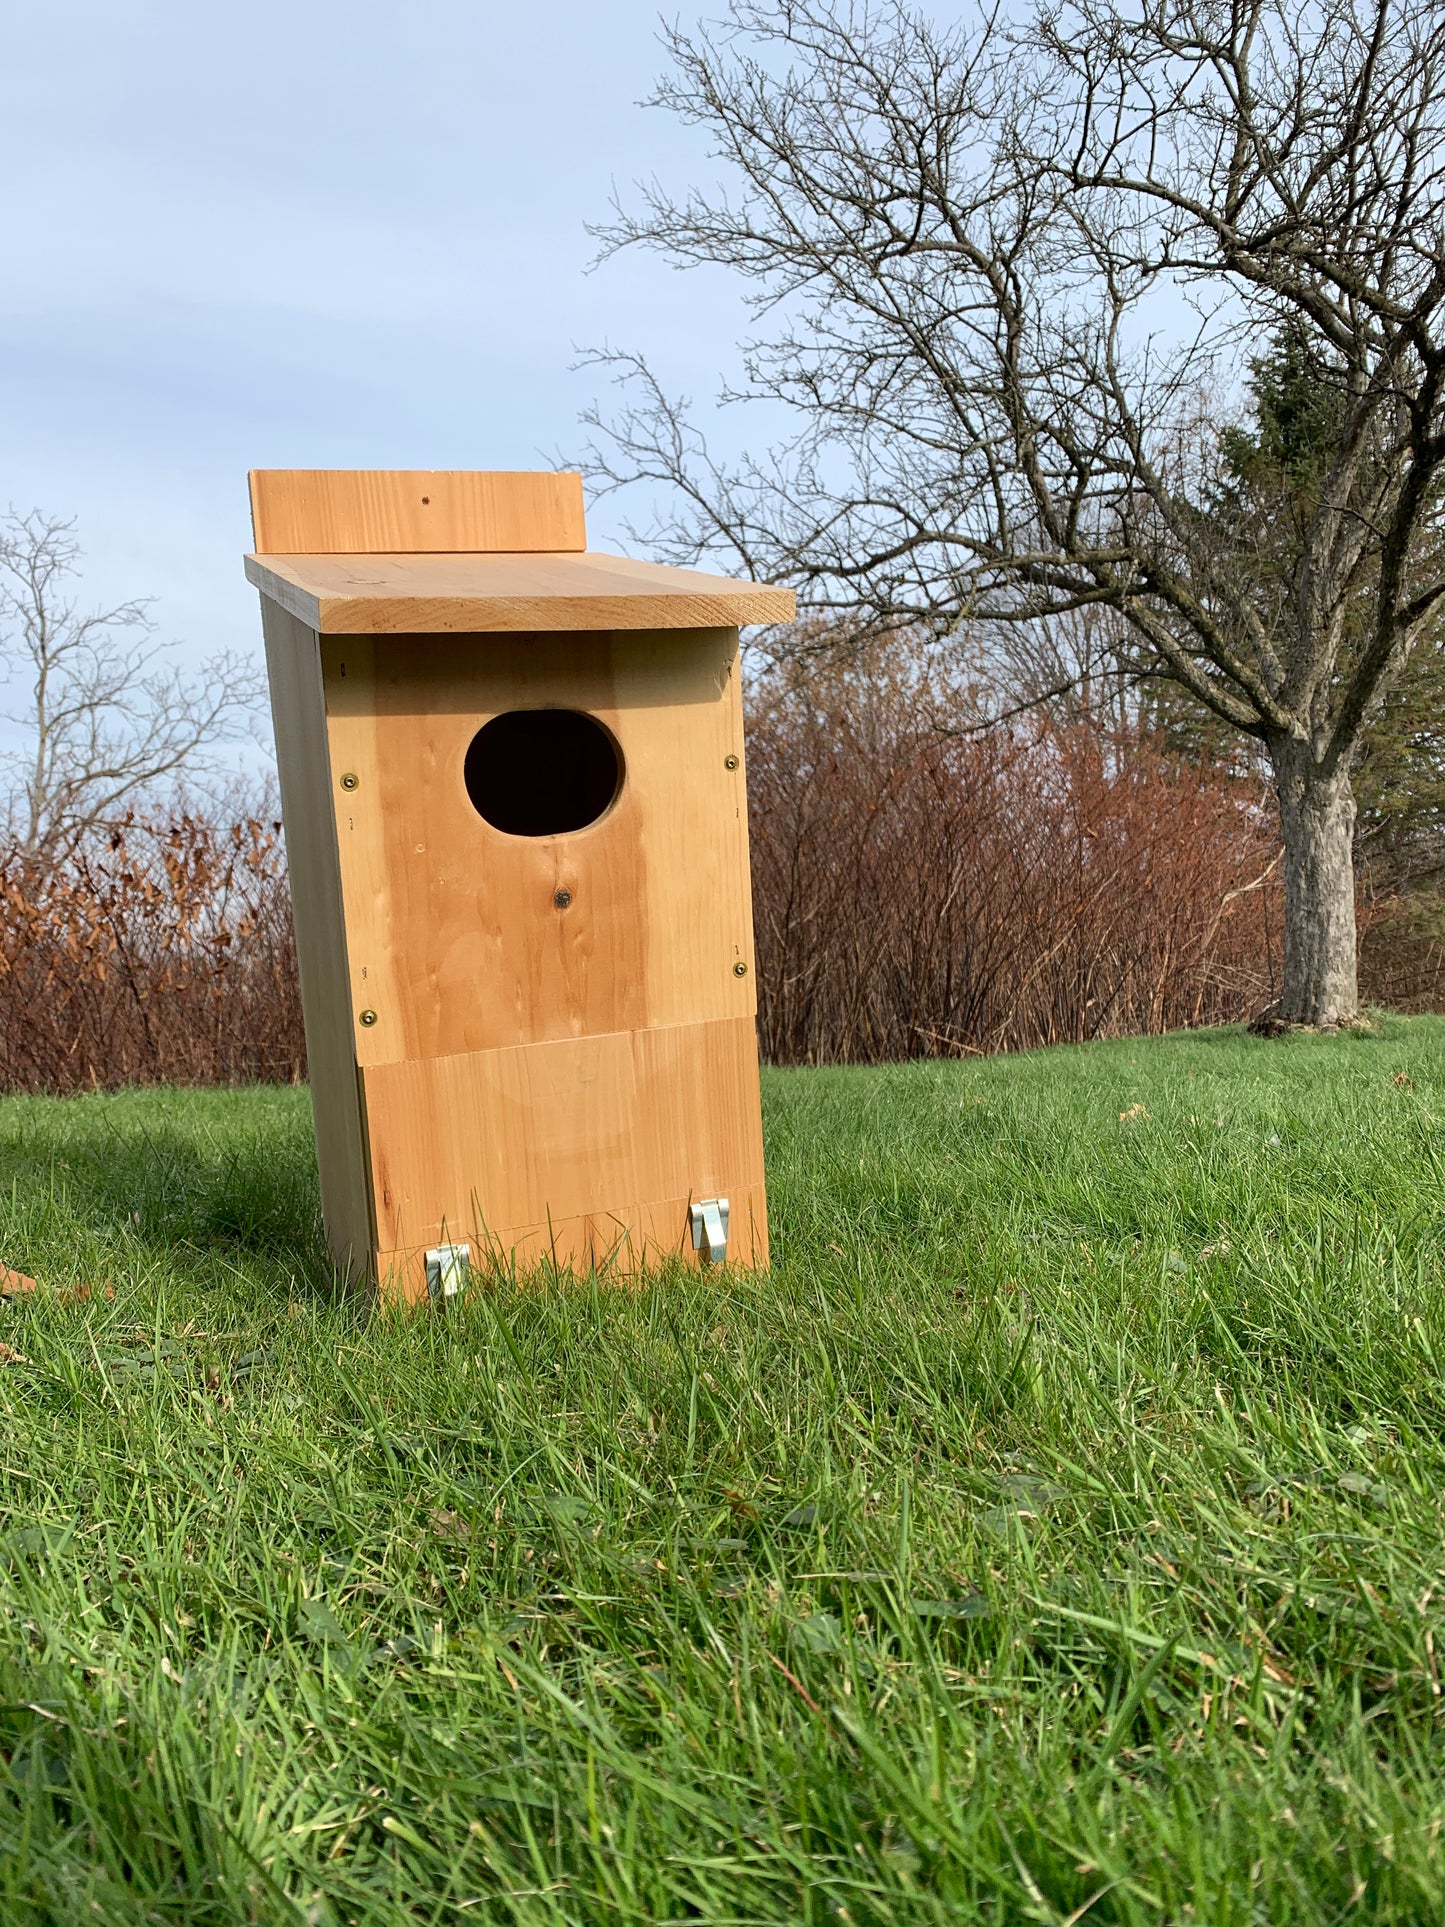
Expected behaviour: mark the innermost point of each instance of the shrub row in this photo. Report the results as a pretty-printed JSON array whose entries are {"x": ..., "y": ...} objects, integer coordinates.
[
  {"x": 919, "y": 891},
  {"x": 162, "y": 953}
]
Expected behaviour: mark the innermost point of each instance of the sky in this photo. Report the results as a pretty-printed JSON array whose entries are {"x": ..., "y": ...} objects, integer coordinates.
[{"x": 308, "y": 234}]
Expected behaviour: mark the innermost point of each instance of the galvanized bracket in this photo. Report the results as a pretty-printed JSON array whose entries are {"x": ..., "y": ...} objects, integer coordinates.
[
  {"x": 447, "y": 1267},
  {"x": 709, "y": 1220}
]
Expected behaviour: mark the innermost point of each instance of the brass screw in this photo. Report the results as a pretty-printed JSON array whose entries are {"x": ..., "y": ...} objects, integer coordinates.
[
  {"x": 350, "y": 781},
  {"x": 730, "y": 762},
  {"x": 368, "y": 1017},
  {"x": 740, "y": 970}
]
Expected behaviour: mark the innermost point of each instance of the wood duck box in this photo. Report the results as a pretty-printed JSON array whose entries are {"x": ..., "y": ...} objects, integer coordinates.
[{"x": 513, "y": 789}]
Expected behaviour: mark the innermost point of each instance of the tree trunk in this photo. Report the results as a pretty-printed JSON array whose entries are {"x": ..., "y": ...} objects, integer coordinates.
[{"x": 1317, "y": 817}]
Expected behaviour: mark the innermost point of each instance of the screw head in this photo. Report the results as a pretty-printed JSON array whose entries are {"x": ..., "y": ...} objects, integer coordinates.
[
  {"x": 730, "y": 762},
  {"x": 740, "y": 970},
  {"x": 368, "y": 1017},
  {"x": 350, "y": 780},
  {"x": 561, "y": 898}
]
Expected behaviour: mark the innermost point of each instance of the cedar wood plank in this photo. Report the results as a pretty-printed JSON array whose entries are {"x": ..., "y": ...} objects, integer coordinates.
[
  {"x": 497, "y": 594},
  {"x": 413, "y": 511}
]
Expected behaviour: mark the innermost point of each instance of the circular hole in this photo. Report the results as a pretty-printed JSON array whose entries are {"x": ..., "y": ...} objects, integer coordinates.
[{"x": 542, "y": 772}]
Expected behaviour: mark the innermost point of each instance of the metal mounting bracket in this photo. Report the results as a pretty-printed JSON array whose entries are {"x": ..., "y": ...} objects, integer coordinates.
[
  {"x": 709, "y": 1220},
  {"x": 447, "y": 1267}
]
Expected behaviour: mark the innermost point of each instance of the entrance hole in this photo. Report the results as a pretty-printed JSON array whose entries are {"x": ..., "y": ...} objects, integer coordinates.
[{"x": 542, "y": 772}]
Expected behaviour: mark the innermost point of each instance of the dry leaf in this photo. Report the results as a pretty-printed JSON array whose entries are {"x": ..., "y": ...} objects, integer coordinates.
[
  {"x": 12, "y": 1282},
  {"x": 9, "y": 1355},
  {"x": 449, "y": 1525},
  {"x": 1134, "y": 1110}
]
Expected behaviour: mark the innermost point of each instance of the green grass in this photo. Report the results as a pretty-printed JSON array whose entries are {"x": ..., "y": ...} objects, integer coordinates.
[{"x": 1055, "y": 1536}]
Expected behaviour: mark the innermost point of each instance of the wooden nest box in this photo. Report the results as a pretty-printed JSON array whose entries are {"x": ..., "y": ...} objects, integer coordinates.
[{"x": 512, "y": 780}]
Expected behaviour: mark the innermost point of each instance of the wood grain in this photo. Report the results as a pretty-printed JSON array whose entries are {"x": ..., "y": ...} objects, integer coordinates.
[
  {"x": 614, "y": 1245},
  {"x": 412, "y": 512},
  {"x": 293, "y": 662},
  {"x": 454, "y": 937},
  {"x": 429, "y": 595},
  {"x": 496, "y": 1147}
]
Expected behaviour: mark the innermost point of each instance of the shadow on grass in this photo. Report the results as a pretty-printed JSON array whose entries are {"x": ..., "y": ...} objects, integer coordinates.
[
  {"x": 1377, "y": 1027},
  {"x": 178, "y": 1172}
]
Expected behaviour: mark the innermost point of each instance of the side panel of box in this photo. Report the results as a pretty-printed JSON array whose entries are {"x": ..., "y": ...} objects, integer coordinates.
[
  {"x": 293, "y": 662},
  {"x": 589, "y": 1148}
]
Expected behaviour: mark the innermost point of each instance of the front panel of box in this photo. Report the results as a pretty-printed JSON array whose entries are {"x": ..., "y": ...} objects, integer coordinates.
[
  {"x": 463, "y": 936},
  {"x": 543, "y": 856}
]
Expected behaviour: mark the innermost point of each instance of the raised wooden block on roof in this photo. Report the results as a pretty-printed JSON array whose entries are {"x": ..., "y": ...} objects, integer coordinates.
[{"x": 447, "y": 554}]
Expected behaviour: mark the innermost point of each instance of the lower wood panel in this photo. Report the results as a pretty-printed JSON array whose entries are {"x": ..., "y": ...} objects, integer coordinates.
[
  {"x": 615, "y": 1244},
  {"x": 608, "y": 1137}
]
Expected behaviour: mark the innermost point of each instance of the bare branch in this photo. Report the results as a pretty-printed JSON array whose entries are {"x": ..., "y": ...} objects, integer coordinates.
[
  {"x": 1004, "y": 278},
  {"x": 103, "y": 716}
]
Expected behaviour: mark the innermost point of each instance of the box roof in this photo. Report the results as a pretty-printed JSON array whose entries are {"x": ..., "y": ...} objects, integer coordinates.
[{"x": 448, "y": 594}]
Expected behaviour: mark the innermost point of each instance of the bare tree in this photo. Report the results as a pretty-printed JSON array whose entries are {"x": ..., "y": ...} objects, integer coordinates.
[
  {"x": 1007, "y": 273},
  {"x": 104, "y": 716}
]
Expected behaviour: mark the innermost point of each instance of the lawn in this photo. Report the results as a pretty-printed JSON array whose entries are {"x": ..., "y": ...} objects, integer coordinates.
[{"x": 1054, "y": 1536}]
